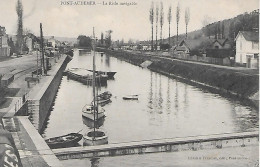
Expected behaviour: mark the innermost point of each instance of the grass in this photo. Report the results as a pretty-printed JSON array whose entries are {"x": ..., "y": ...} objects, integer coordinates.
[{"x": 5, "y": 58}]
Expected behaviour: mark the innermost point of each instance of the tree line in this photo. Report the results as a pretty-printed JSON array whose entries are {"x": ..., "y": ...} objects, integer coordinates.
[
  {"x": 230, "y": 28},
  {"x": 156, "y": 16}
]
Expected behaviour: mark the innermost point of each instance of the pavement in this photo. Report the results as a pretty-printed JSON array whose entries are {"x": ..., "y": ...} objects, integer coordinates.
[
  {"x": 32, "y": 148},
  {"x": 20, "y": 67}
]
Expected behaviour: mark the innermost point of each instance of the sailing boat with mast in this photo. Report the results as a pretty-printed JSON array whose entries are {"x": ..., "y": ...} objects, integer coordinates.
[
  {"x": 90, "y": 110},
  {"x": 95, "y": 136}
]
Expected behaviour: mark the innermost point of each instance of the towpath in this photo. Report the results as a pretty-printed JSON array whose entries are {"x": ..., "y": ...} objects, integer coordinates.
[{"x": 167, "y": 56}]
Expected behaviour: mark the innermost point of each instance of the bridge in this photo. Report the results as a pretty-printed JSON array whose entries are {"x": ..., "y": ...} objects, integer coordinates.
[{"x": 216, "y": 141}]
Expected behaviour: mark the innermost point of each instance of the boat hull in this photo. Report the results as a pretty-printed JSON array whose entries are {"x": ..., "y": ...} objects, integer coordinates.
[
  {"x": 61, "y": 142},
  {"x": 101, "y": 80},
  {"x": 90, "y": 115},
  {"x": 110, "y": 74},
  {"x": 130, "y": 98},
  {"x": 90, "y": 123}
]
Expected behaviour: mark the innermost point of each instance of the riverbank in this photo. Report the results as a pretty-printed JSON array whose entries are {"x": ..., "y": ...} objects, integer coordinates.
[{"x": 228, "y": 81}]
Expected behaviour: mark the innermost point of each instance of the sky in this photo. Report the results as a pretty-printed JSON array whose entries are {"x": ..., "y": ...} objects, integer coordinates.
[{"x": 125, "y": 21}]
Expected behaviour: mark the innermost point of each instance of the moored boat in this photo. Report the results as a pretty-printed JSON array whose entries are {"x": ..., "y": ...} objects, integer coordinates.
[
  {"x": 68, "y": 140},
  {"x": 105, "y": 95},
  {"x": 95, "y": 137},
  {"x": 93, "y": 112},
  {"x": 86, "y": 78},
  {"x": 131, "y": 97},
  {"x": 110, "y": 74},
  {"x": 103, "y": 98},
  {"x": 89, "y": 112}
]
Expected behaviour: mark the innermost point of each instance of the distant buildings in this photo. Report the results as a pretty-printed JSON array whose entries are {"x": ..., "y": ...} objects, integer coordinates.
[
  {"x": 52, "y": 42},
  {"x": 4, "y": 48},
  {"x": 221, "y": 44},
  {"x": 247, "y": 48}
]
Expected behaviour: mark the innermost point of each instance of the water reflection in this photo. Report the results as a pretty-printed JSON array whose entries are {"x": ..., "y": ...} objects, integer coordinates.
[
  {"x": 94, "y": 162},
  {"x": 107, "y": 60},
  {"x": 160, "y": 100},
  {"x": 168, "y": 97},
  {"x": 246, "y": 120},
  {"x": 186, "y": 101},
  {"x": 176, "y": 99},
  {"x": 166, "y": 108},
  {"x": 150, "y": 97}
]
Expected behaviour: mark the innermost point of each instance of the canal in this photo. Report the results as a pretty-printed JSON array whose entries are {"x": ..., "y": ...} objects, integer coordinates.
[{"x": 166, "y": 108}]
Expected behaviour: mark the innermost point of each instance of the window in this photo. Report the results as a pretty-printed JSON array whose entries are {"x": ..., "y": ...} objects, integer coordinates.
[
  {"x": 240, "y": 45},
  {"x": 240, "y": 58},
  {"x": 254, "y": 45}
]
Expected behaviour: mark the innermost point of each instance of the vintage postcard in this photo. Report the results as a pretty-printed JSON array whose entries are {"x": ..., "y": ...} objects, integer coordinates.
[{"x": 129, "y": 83}]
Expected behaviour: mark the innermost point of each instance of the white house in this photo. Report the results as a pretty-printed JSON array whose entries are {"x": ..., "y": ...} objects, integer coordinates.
[
  {"x": 247, "y": 48},
  {"x": 29, "y": 43},
  {"x": 4, "y": 48},
  {"x": 52, "y": 42}
]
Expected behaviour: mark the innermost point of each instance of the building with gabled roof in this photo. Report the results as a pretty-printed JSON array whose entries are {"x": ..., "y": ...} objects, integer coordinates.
[
  {"x": 247, "y": 48},
  {"x": 188, "y": 45},
  {"x": 221, "y": 44}
]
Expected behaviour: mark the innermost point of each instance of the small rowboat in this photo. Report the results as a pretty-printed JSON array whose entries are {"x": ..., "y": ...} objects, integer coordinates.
[
  {"x": 131, "y": 97},
  {"x": 68, "y": 140},
  {"x": 93, "y": 138}
]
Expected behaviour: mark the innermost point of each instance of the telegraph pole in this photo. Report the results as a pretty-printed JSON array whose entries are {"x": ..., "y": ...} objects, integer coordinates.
[{"x": 43, "y": 64}]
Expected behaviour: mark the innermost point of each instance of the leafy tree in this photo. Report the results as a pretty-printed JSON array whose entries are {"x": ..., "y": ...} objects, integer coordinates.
[
  {"x": 102, "y": 38},
  {"x": 11, "y": 45},
  {"x": 108, "y": 40},
  {"x": 84, "y": 41},
  {"x": 223, "y": 31}
]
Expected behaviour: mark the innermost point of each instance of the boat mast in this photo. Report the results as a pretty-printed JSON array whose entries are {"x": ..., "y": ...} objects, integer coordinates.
[{"x": 94, "y": 83}]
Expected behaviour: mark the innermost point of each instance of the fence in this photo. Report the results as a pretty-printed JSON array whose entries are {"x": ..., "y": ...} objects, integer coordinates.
[{"x": 204, "y": 59}]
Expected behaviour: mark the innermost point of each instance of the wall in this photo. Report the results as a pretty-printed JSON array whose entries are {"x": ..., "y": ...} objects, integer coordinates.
[
  {"x": 211, "y": 60},
  {"x": 192, "y": 143},
  {"x": 39, "y": 105}
]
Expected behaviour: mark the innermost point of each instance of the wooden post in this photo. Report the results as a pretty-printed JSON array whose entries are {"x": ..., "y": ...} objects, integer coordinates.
[{"x": 43, "y": 64}]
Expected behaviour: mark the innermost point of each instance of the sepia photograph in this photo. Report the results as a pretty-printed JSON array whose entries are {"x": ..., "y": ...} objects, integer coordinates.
[{"x": 129, "y": 83}]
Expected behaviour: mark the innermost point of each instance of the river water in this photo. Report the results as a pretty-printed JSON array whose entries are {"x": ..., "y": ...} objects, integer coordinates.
[{"x": 166, "y": 108}]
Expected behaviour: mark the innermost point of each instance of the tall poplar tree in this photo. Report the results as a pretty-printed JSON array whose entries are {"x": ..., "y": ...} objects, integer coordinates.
[
  {"x": 187, "y": 19},
  {"x": 169, "y": 21},
  {"x": 156, "y": 20},
  {"x": 152, "y": 20},
  {"x": 177, "y": 20},
  {"x": 19, "y": 11},
  {"x": 161, "y": 21}
]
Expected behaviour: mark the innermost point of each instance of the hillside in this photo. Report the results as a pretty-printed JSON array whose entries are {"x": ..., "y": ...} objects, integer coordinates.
[{"x": 223, "y": 29}]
